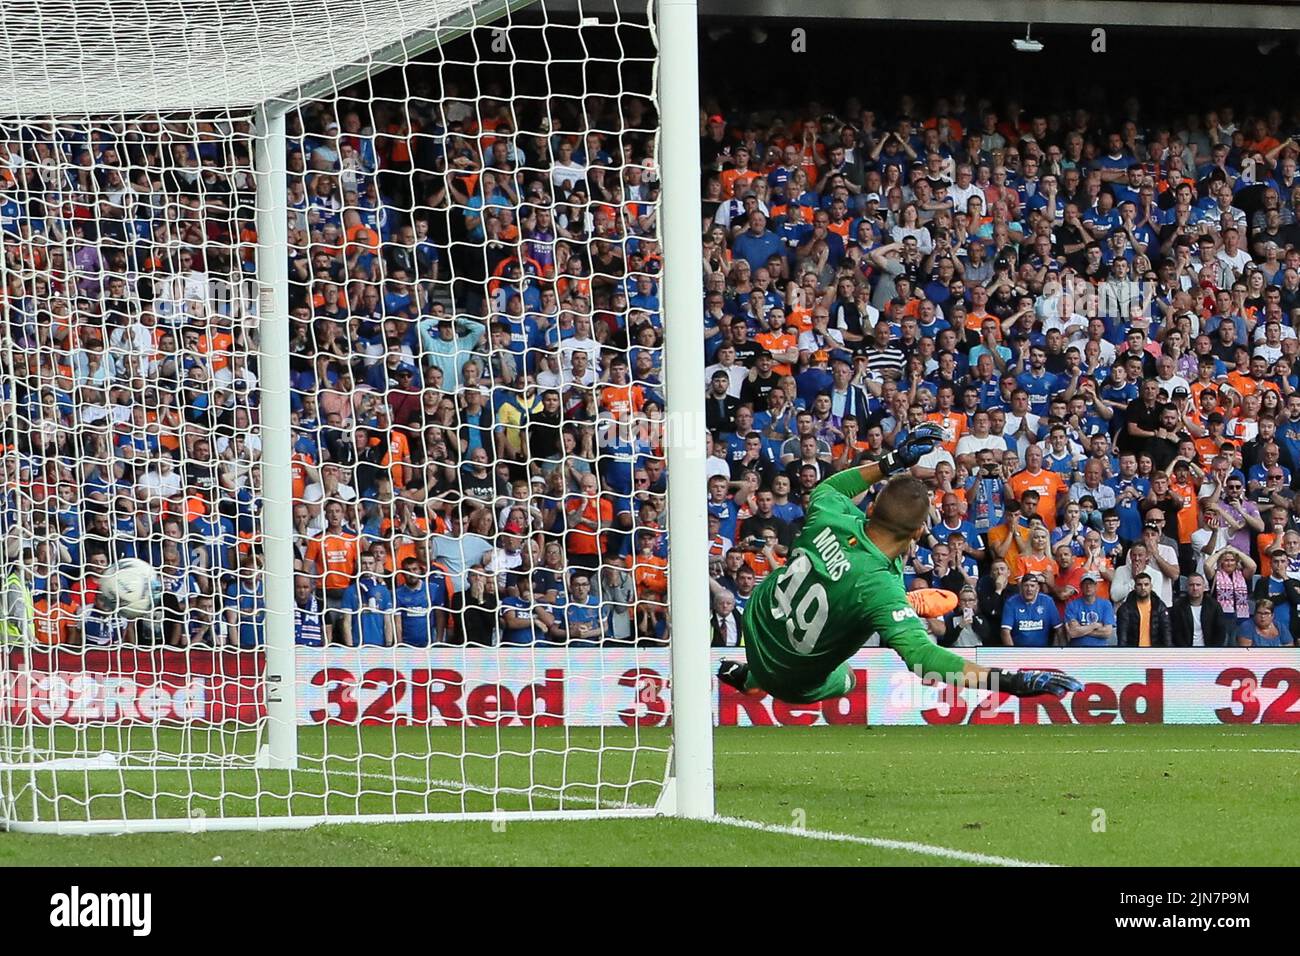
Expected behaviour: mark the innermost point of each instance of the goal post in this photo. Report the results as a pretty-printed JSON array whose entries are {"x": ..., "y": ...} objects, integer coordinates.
[
  {"x": 679, "y": 82},
  {"x": 206, "y": 227},
  {"x": 270, "y": 152}
]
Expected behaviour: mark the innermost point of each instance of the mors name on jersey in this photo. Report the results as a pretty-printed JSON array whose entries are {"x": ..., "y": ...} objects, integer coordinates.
[{"x": 831, "y": 553}]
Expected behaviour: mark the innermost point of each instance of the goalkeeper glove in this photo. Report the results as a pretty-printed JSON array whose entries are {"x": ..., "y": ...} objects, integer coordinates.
[
  {"x": 919, "y": 443},
  {"x": 1032, "y": 683}
]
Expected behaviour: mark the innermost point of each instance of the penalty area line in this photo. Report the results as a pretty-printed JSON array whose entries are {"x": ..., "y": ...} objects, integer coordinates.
[
  {"x": 905, "y": 846},
  {"x": 1009, "y": 753}
]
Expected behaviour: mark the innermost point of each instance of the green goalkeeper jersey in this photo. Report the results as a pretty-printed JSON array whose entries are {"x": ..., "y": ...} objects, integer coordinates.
[{"x": 834, "y": 592}]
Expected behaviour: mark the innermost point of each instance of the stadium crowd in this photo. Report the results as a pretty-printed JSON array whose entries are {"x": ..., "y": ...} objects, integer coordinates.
[
  {"x": 475, "y": 359},
  {"x": 1100, "y": 311}
]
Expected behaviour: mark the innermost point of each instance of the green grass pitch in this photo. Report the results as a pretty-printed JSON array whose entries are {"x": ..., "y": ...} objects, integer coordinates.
[{"x": 1111, "y": 796}]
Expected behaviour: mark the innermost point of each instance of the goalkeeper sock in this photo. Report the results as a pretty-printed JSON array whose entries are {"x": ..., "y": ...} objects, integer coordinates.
[
  {"x": 932, "y": 602},
  {"x": 1006, "y": 682}
]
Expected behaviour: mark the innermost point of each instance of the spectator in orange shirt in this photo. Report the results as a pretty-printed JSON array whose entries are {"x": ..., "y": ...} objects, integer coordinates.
[
  {"x": 1184, "y": 483},
  {"x": 977, "y": 313},
  {"x": 397, "y": 459},
  {"x": 1038, "y": 560},
  {"x": 650, "y": 575},
  {"x": 1244, "y": 426},
  {"x": 619, "y": 397},
  {"x": 1008, "y": 539},
  {"x": 1096, "y": 562},
  {"x": 1250, "y": 375},
  {"x": 763, "y": 558},
  {"x": 301, "y": 467},
  {"x": 1216, "y": 442},
  {"x": 587, "y": 516},
  {"x": 1069, "y": 575},
  {"x": 1211, "y": 443},
  {"x": 219, "y": 345},
  {"x": 780, "y": 341},
  {"x": 1275, "y": 535},
  {"x": 849, "y": 451},
  {"x": 334, "y": 557},
  {"x": 952, "y": 421},
  {"x": 736, "y": 179},
  {"x": 803, "y": 315},
  {"x": 1205, "y": 382},
  {"x": 1050, "y": 486},
  {"x": 55, "y": 622}
]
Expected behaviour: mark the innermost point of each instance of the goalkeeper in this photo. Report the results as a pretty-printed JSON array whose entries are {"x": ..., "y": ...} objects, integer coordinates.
[{"x": 844, "y": 582}]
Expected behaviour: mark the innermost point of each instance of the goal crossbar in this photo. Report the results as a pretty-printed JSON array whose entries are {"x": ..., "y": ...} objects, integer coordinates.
[{"x": 70, "y": 57}]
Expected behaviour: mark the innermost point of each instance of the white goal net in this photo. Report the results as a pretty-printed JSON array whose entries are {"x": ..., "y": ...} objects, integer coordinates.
[{"x": 345, "y": 318}]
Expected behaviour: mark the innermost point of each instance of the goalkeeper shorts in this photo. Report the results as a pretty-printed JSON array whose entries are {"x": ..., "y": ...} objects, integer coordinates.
[{"x": 795, "y": 689}]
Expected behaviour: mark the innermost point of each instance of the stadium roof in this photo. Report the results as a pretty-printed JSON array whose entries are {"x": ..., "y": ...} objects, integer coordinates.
[
  {"x": 1199, "y": 14},
  {"x": 103, "y": 56}
]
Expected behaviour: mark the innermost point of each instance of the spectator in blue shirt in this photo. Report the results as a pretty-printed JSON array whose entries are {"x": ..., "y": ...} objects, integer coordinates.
[
  {"x": 1103, "y": 218},
  {"x": 1261, "y": 630},
  {"x": 1029, "y": 617},
  {"x": 215, "y": 536},
  {"x": 756, "y": 243},
  {"x": 308, "y": 614},
  {"x": 1088, "y": 621},
  {"x": 646, "y": 296},
  {"x": 369, "y": 600},
  {"x": 1037, "y": 382},
  {"x": 522, "y": 621},
  {"x": 929, "y": 325},
  {"x": 1278, "y": 587},
  {"x": 10, "y": 215},
  {"x": 447, "y": 342},
  {"x": 582, "y": 613},
  {"x": 723, "y": 506},
  {"x": 1130, "y": 490},
  {"x": 422, "y": 600},
  {"x": 1288, "y": 429},
  {"x": 246, "y": 605},
  {"x": 952, "y": 521},
  {"x": 1114, "y": 163},
  {"x": 1268, "y": 476},
  {"x": 1128, "y": 190}
]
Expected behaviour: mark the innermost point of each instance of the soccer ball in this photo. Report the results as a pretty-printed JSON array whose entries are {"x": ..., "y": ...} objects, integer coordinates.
[{"x": 131, "y": 588}]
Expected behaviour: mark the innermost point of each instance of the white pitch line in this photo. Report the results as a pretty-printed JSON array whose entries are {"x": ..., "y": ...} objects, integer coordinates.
[
  {"x": 1004, "y": 753},
  {"x": 906, "y": 846},
  {"x": 826, "y": 836}
]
